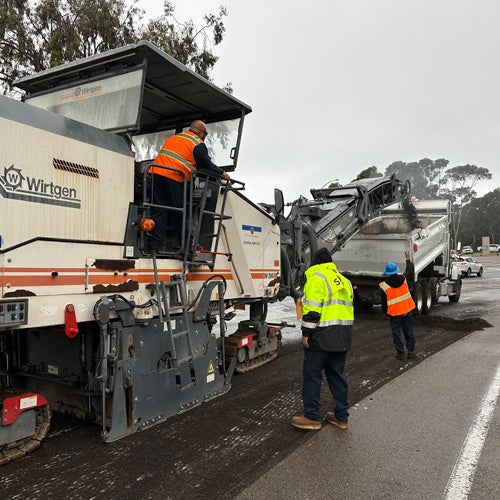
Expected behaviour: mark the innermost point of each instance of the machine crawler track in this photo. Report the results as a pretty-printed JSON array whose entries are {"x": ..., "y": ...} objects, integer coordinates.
[
  {"x": 256, "y": 362},
  {"x": 250, "y": 358},
  {"x": 17, "y": 449}
]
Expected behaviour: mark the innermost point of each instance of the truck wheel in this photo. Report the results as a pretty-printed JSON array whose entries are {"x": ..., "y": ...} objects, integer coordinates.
[
  {"x": 427, "y": 297},
  {"x": 456, "y": 297},
  {"x": 418, "y": 297},
  {"x": 433, "y": 286}
]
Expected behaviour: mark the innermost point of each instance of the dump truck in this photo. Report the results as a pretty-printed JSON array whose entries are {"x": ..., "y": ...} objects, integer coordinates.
[{"x": 419, "y": 229}]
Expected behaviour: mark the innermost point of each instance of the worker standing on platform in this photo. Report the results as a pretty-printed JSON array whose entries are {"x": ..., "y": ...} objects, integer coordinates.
[
  {"x": 326, "y": 337},
  {"x": 398, "y": 304},
  {"x": 184, "y": 153}
]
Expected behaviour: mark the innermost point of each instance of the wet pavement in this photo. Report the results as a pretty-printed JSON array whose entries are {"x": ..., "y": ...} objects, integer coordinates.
[{"x": 219, "y": 449}]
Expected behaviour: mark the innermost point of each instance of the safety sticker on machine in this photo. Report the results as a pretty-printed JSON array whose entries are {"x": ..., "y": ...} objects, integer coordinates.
[
  {"x": 28, "y": 402},
  {"x": 210, "y": 372}
]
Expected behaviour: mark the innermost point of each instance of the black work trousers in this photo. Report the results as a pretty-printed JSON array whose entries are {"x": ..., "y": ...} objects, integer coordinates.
[
  {"x": 170, "y": 193},
  {"x": 333, "y": 365}
]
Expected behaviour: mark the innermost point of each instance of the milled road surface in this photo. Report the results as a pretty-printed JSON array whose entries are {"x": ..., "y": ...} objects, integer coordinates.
[{"x": 219, "y": 448}]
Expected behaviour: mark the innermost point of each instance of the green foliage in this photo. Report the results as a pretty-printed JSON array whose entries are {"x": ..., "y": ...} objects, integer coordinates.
[
  {"x": 461, "y": 181},
  {"x": 180, "y": 40},
  {"x": 334, "y": 185},
  {"x": 39, "y": 34},
  {"x": 480, "y": 218},
  {"x": 426, "y": 176},
  {"x": 436, "y": 179},
  {"x": 368, "y": 173}
]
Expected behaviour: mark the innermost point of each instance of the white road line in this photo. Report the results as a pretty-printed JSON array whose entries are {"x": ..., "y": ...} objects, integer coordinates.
[{"x": 460, "y": 482}]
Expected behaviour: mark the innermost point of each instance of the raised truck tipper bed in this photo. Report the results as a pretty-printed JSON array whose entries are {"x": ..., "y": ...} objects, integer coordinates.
[{"x": 421, "y": 229}]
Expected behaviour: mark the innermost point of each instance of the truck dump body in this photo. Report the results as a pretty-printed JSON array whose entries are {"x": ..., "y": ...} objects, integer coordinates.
[
  {"x": 424, "y": 236},
  {"x": 386, "y": 239}
]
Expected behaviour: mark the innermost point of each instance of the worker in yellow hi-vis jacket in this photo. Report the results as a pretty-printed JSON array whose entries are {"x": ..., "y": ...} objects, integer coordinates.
[{"x": 326, "y": 337}]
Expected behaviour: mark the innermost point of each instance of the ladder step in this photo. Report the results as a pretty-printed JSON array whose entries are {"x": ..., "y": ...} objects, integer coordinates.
[
  {"x": 179, "y": 334},
  {"x": 183, "y": 360}
]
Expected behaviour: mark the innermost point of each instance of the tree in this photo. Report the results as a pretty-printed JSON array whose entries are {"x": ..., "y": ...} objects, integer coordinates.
[
  {"x": 38, "y": 34},
  {"x": 461, "y": 181},
  {"x": 335, "y": 184},
  {"x": 426, "y": 176},
  {"x": 412, "y": 172},
  {"x": 434, "y": 171},
  {"x": 180, "y": 39},
  {"x": 480, "y": 218},
  {"x": 368, "y": 173}
]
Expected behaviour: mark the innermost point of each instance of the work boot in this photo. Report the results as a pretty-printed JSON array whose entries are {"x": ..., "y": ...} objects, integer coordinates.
[
  {"x": 411, "y": 354},
  {"x": 400, "y": 355},
  {"x": 330, "y": 417},
  {"x": 306, "y": 423}
]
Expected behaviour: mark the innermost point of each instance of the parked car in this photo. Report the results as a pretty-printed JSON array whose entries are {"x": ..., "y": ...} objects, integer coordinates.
[
  {"x": 467, "y": 250},
  {"x": 493, "y": 247},
  {"x": 468, "y": 266}
]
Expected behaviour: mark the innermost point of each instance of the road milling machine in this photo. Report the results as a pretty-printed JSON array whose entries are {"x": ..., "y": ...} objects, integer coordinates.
[{"x": 91, "y": 324}]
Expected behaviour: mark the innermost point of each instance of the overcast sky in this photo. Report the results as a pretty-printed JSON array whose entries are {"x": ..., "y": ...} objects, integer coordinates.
[{"x": 337, "y": 86}]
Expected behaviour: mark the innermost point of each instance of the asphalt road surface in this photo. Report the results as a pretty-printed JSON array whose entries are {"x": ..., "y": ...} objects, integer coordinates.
[{"x": 220, "y": 447}]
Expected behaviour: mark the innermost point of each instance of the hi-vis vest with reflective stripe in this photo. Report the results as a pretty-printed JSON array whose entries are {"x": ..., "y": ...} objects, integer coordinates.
[
  {"x": 177, "y": 152},
  {"x": 399, "y": 300},
  {"x": 330, "y": 294}
]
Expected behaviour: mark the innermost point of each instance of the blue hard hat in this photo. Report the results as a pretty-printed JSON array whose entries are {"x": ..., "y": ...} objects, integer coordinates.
[{"x": 391, "y": 268}]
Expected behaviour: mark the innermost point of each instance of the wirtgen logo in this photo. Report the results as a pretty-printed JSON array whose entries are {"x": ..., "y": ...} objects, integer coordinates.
[
  {"x": 82, "y": 92},
  {"x": 86, "y": 91},
  {"x": 14, "y": 185}
]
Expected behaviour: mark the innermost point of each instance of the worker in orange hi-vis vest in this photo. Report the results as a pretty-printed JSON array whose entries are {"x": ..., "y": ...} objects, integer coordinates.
[
  {"x": 398, "y": 304},
  {"x": 185, "y": 152}
]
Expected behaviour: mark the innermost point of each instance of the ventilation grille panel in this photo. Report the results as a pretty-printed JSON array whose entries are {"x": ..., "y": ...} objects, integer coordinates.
[{"x": 68, "y": 166}]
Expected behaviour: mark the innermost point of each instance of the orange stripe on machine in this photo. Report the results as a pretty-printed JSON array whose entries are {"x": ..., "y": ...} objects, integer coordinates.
[{"x": 36, "y": 276}]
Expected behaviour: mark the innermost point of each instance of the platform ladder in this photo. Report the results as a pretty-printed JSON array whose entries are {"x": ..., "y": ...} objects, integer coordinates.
[
  {"x": 203, "y": 193},
  {"x": 176, "y": 298}
]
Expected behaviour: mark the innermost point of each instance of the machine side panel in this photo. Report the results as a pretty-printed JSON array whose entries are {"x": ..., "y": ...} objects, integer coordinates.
[
  {"x": 53, "y": 186},
  {"x": 253, "y": 241}
]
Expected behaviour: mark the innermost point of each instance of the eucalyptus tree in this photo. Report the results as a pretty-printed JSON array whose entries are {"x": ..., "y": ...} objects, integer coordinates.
[{"x": 39, "y": 34}]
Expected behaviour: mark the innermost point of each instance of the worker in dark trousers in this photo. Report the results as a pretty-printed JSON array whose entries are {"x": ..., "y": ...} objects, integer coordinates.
[
  {"x": 398, "y": 304},
  {"x": 185, "y": 152},
  {"x": 326, "y": 337}
]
